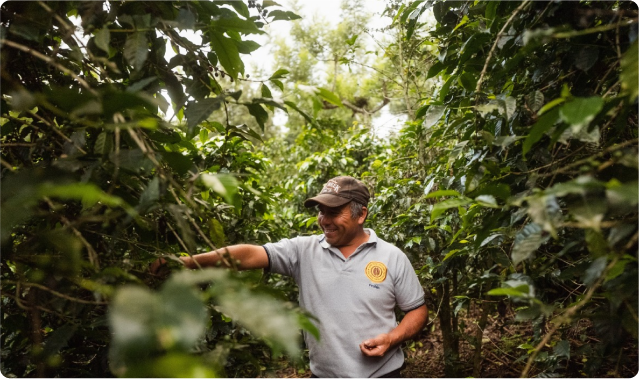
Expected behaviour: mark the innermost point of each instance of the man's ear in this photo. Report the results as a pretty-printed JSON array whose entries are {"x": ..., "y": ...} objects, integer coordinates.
[{"x": 362, "y": 218}]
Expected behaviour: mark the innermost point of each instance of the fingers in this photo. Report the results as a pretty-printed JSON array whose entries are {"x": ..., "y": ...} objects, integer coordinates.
[
  {"x": 375, "y": 347},
  {"x": 157, "y": 265}
]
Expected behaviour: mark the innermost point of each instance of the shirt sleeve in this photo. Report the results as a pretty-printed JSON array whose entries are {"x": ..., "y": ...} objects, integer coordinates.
[
  {"x": 283, "y": 257},
  {"x": 409, "y": 293}
]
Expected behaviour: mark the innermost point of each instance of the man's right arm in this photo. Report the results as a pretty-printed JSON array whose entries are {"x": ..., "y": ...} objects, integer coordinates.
[{"x": 246, "y": 256}]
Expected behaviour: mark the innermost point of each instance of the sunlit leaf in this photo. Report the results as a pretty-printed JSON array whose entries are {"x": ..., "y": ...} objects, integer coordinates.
[
  {"x": 630, "y": 72},
  {"x": 442, "y": 206},
  {"x": 223, "y": 184},
  {"x": 329, "y": 96},
  {"x": 526, "y": 243},
  {"x": 434, "y": 113}
]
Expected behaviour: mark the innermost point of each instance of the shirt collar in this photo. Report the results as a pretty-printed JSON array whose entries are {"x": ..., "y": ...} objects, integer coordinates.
[{"x": 372, "y": 239}]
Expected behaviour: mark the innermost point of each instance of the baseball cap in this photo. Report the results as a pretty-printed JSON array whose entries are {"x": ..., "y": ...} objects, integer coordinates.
[{"x": 339, "y": 191}]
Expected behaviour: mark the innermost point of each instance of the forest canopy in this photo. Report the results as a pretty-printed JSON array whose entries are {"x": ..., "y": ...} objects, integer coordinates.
[{"x": 512, "y": 185}]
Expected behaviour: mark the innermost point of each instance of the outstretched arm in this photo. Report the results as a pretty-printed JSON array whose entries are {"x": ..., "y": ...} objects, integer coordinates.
[
  {"x": 411, "y": 324},
  {"x": 247, "y": 257}
]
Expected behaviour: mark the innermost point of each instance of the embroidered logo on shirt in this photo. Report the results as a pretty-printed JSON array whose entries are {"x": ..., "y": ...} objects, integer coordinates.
[{"x": 376, "y": 271}]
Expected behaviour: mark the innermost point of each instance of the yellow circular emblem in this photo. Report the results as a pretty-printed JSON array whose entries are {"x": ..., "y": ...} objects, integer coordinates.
[{"x": 376, "y": 271}]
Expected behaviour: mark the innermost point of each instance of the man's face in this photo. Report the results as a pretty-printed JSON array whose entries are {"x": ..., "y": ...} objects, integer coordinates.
[{"x": 338, "y": 225}]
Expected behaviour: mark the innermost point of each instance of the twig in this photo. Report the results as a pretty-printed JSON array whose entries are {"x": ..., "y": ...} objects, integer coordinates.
[
  {"x": 57, "y": 293},
  {"x": 586, "y": 160},
  {"x": 50, "y": 61},
  {"x": 492, "y": 49},
  {"x": 567, "y": 314},
  {"x": 17, "y": 144},
  {"x": 55, "y": 130},
  {"x": 597, "y": 29},
  {"x": 6, "y": 164},
  {"x": 93, "y": 255}
]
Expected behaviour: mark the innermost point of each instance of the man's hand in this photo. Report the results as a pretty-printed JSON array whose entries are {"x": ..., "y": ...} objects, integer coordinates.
[{"x": 376, "y": 347}]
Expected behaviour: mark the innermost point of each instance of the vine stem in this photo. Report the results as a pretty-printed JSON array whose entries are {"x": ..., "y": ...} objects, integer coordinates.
[{"x": 492, "y": 49}]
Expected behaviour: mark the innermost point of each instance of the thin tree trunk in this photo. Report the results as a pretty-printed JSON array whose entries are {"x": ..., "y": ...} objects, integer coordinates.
[
  {"x": 477, "y": 359},
  {"x": 36, "y": 334},
  {"x": 450, "y": 356}
]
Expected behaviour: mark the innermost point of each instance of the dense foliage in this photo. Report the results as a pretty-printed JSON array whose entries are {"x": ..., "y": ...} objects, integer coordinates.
[
  {"x": 513, "y": 184},
  {"x": 96, "y": 185}
]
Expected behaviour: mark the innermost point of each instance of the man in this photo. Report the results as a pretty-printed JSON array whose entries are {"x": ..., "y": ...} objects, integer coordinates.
[{"x": 349, "y": 279}]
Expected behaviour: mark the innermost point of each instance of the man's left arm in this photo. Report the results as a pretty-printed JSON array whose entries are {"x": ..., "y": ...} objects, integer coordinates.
[{"x": 410, "y": 325}]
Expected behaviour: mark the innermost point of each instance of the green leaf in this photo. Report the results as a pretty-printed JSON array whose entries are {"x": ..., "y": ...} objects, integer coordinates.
[
  {"x": 594, "y": 271},
  {"x": 283, "y": 15},
  {"x": 441, "y": 193},
  {"x": 442, "y": 206},
  {"x": 487, "y": 201},
  {"x": 103, "y": 144},
  {"x": 491, "y": 11},
  {"x": 269, "y": 3},
  {"x": 150, "y": 195},
  {"x": 626, "y": 194},
  {"x": 515, "y": 292},
  {"x": 527, "y": 241},
  {"x": 434, "y": 113},
  {"x": 216, "y": 232},
  {"x": 281, "y": 73},
  {"x": 468, "y": 81},
  {"x": 266, "y": 92},
  {"x": 562, "y": 349},
  {"x": 278, "y": 83},
  {"x": 140, "y": 84},
  {"x": 228, "y": 54},
  {"x": 131, "y": 315},
  {"x": 88, "y": 193},
  {"x": 435, "y": 69},
  {"x": 136, "y": 49},
  {"x": 302, "y": 113},
  {"x": 240, "y": 7},
  {"x": 551, "y": 105},
  {"x": 177, "y": 161},
  {"x": 329, "y": 96},
  {"x": 409, "y": 10},
  {"x": 246, "y": 47},
  {"x": 580, "y": 111},
  {"x": 629, "y": 76},
  {"x": 223, "y": 184},
  {"x": 237, "y": 25},
  {"x": 181, "y": 316},
  {"x": 196, "y": 112},
  {"x": 260, "y": 114},
  {"x": 543, "y": 124},
  {"x": 597, "y": 244},
  {"x": 587, "y": 57},
  {"x": 545, "y": 211},
  {"x": 185, "y": 19},
  {"x": 102, "y": 39}
]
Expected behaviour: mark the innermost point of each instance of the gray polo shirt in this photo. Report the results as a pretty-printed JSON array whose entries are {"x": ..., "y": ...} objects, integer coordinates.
[{"x": 353, "y": 299}]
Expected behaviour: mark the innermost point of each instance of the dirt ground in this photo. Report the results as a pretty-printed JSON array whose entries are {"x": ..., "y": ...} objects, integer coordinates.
[{"x": 500, "y": 353}]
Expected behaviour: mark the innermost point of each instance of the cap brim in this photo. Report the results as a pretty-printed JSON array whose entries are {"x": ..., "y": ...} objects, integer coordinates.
[{"x": 326, "y": 199}]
